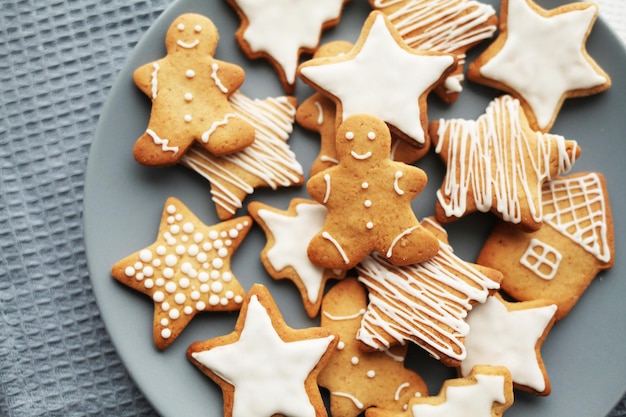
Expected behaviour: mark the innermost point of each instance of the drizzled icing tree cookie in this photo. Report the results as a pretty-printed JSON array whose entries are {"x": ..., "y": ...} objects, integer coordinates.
[
  {"x": 540, "y": 58},
  {"x": 189, "y": 90},
  {"x": 498, "y": 163},
  {"x": 425, "y": 303},
  {"x": 186, "y": 270},
  {"x": 358, "y": 380},
  {"x": 449, "y": 26},
  {"x": 368, "y": 197}
]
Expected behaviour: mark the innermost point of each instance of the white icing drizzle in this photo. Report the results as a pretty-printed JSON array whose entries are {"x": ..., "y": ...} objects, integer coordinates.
[
  {"x": 401, "y": 387},
  {"x": 397, "y": 358},
  {"x": 492, "y": 158},
  {"x": 396, "y": 186},
  {"x": 346, "y": 317},
  {"x": 215, "y": 77},
  {"x": 421, "y": 301},
  {"x": 327, "y": 194},
  {"x": 163, "y": 142},
  {"x": 154, "y": 80},
  {"x": 332, "y": 240},
  {"x": 563, "y": 200},
  {"x": 269, "y": 158},
  {"x": 358, "y": 404},
  {"x": 320, "y": 113},
  {"x": 188, "y": 45},
  {"x": 361, "y": 157},
  {"x": 397, "y": 239},
  {"x": 542, "y": 259},
  {"x": 207, "y": 135},
  {"x": 326, "y": 158}
]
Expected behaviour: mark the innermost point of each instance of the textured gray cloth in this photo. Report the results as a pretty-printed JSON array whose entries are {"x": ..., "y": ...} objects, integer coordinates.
[{"x": 58, "y": 59}]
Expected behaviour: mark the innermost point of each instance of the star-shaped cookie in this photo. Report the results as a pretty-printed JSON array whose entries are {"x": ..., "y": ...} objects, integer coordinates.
[
  {"x": 498, "y": 163},
  {"x": 285, "y": 254},
  {"x": 358, "y": 380},
  {"x": 264, "y": 367},
  {"x": 426, "y": 303},
  {"x": 540, "y": 57},
  {"x": 281, "y": 30},
  {"x": 486, "y": 392},
  {"x": 449, "y": 26},
  {"x": 510, "y": 335},
  {"x": 268, "y": 162},
  {"x": 186, "y": 270},
  {"x": 383, "y": 77}
]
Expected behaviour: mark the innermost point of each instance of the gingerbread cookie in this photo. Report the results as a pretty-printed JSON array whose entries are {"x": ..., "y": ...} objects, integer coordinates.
[
  {"x": 383, "y": 77},
  {"x": 425, "y": 303},
  {"x": 186, "y": 270},
  {"x": 540, "y": 58},
  {"x": 510, "y": 335},
  {"x": 281, "y": 30},
  {"x": 486, "y": 392},
  {"x": 189, "y": 90},
  {"x": 449, "y": 26},
  {"x": 264, "y": 367},
  {"x": 318, "y": 113},
  {"x": 285, "y": 253},
  {"x": 559, "y": 261},
  {"x": 268, "y": 162},
  {"x": 368, "y": 197},
  {"x": 498, "y": 163},
  {"x": 359, "y": 380}
]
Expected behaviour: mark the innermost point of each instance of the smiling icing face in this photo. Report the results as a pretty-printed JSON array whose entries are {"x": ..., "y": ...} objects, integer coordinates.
[
  {"x": 355, "y": 144},
  {"x": 192, "y": 32}
]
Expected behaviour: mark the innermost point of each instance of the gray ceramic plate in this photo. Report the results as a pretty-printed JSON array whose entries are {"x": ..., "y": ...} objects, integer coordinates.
[{"x": 584, "y": 353}]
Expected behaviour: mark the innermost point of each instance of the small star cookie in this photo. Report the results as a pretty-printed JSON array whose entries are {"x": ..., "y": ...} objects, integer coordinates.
[
  {"x": 426, "y": 303},
  {"x": 187, "y": 269},
  {"x": 368, "y": 197},
  {"x": 510, "y": 335},
  {"x": 264, "y": 367},
  {"x": 189, "y": 90},
  {"x": 268, "y": 162},
  {"x": 358, "y": 380},
  {"x": 448, "y": 26},
  {"x": 486, "y": 392},
  {"x": 383, "y": 77},
  {"x": 281, "y": 30},
  {"x": 285, "y": 253},
  {"x": 540, "y": 58},
  {"x": 498, "y": 163}
]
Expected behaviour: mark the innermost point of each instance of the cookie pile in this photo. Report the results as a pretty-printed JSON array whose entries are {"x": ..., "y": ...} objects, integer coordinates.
[{"x": 397, "y": 277}]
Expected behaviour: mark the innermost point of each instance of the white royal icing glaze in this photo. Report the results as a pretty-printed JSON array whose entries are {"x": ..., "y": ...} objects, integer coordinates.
[
  {"x": 543, "y": 58},
  {"x": 542, "y": 259},
  {"x": 281, "y": 28},
  {"x": 358, "y": 404},
  {"x": 379, "y": 90},
  {"x": 164, "y": 143},
  {"x": 288, "y": 251},
  {"x": 216, "y": 78},
  {"x": 154, "y": 79},
  {"x": 262, "y": 367},
  {"x": 501, "y": 337},
  {"x": 421, "y": 300},
  {"x": 491, "y": 157},
  {"x": 332, "y": 240}
]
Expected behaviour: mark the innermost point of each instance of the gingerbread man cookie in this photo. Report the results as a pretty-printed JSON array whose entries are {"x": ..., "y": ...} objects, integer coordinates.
[
  {"x": 368, "y": 197},
  {"x": 189, "y": 90}
]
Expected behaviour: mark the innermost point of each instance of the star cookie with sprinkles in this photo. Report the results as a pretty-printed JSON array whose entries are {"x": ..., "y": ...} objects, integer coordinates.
[
  {"x": 540, "y": 58},
  {"x": 498, "y": 163},
  {"x": 285, "y": 257},
  {"x": 510, "y": 335},
  {"x": 187, "y": 270},
  {"x": 358, "y": 380},
  {"x": 368, "y": 197},
  {"x": 265, "y": 367},
  {"x": 486, "y": 392},
  {"x": 383, "y": 77},
  {"x": 189, "y": 90},
  {"x": 281, "y": 30}
]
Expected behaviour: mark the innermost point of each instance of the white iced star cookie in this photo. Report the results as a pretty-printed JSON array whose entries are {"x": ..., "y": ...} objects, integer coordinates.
[
  {"x": 540, "y": 58},
  {"x": 510, "y": 335},
  {"x": 281, "y": 30},
  {"x": 264, "y": 367},
  {"x": 285, "y": 253},
  {"x": 189, "y": 90},
  {"x": 186, "y": 270},
  {"x": 383, "y": 77}
]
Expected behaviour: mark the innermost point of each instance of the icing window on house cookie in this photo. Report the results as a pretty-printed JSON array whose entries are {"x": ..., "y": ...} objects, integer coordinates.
[{"x": 542, "y": 259}]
